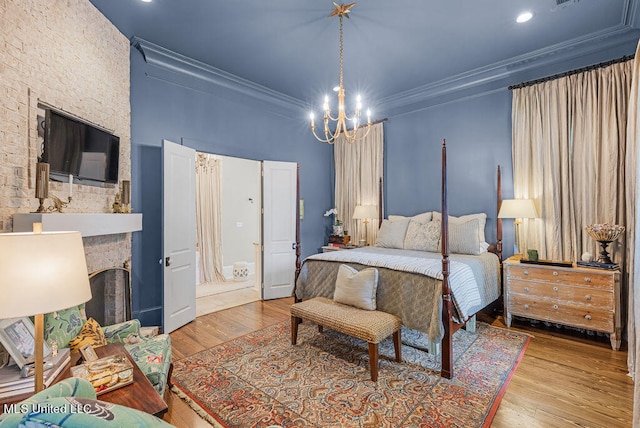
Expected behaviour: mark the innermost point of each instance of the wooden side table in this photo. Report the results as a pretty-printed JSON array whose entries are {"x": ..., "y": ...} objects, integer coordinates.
[
  {"x": 574, "y": 296},
  {"x": 140, "y": 395}
]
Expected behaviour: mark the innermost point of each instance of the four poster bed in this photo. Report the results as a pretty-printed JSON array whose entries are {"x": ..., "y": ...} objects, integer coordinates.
[{"x": 432, "y": 290}]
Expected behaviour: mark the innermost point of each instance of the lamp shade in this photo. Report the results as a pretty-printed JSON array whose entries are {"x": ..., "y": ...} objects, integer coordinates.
[
  {"x": 517, "y": 208},
  {"x": 365, "y": 212},
  {"x": 41, "y": 273}
]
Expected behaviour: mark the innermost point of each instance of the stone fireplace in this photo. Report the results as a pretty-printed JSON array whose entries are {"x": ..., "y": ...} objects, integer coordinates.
[{"x": 110, "y": 295}]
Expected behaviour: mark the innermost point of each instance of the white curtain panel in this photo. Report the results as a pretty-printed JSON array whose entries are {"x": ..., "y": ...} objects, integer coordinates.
[
  {"x": 358, "y": 174},
  {"x": 209, "y": 217},
  {"x": 569, "y": 149},
  {"x": 633, "y": 267}
]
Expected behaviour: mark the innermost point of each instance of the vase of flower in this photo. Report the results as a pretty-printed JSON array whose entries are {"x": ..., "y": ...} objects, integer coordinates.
[{"x": 338, "y": 229}]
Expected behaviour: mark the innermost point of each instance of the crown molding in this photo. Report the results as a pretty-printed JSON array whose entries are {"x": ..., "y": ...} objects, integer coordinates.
[
  {"x": 164, "y": 58},
  {"x": 417, "y": 97}
]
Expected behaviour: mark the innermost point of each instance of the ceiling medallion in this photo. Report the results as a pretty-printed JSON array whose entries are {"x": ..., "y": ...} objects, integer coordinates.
[{"x": 352, "y": 135}]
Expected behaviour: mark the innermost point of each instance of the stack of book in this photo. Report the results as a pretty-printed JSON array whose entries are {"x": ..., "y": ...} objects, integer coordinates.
[
  {"x": 338, "y": 240},
  {"x": 12, "y": 384}
]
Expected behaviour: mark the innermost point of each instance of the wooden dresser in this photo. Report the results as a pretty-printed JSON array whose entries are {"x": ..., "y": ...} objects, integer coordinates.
[{"x": 574, "y": 296}]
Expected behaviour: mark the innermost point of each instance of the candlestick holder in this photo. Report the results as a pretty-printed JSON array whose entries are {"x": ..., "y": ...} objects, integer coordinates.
[
  {"x": 58, "y": 204},
  {"x": 42, "y": 184}
]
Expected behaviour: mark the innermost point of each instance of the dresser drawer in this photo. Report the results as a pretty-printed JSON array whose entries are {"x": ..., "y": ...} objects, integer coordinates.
[
  {"x": 562, "y": 313},
  {"x": 578, "y": 296},
  {"x": 549, "y": 274}
]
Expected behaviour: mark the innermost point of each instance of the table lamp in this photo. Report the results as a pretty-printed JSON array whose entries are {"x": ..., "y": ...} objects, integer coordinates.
[
  {"x": 365, "y": 213},
  {"x": 517, "y": 209},
  {"x": 41, "y": 273}
]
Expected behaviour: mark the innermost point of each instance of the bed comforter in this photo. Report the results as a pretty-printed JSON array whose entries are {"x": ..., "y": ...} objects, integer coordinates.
[{"x": 410, "y": 283}]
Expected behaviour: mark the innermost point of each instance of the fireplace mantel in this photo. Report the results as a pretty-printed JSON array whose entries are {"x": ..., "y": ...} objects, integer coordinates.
[{"x": 87, "y": 224}]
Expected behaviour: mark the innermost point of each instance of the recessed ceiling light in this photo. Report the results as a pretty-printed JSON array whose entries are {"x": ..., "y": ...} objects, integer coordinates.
[
  {"x": 524, "y": 17},
  {"x": 147, "y": 1}
]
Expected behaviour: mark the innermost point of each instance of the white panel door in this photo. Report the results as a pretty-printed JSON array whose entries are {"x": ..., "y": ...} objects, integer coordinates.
[
  {"x": 179, "y": 238},
  {"x": 279, "y": 228}
]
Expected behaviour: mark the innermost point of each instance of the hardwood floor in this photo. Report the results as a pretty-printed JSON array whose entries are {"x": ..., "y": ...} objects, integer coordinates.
[{"x": 562, "y": 381}]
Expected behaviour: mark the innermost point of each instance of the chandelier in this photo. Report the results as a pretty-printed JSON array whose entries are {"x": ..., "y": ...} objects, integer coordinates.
[{"x": 352, "y": 135}]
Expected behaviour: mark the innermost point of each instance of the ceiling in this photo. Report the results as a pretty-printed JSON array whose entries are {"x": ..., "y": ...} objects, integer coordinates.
[{"x": 390, "y": 47}]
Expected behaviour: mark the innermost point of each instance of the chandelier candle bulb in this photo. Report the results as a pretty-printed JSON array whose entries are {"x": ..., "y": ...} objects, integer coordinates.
[{"x": 70, "y": 186}]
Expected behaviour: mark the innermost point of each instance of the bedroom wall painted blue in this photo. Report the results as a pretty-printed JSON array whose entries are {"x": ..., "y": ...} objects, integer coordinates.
[
  {"x": 478, "y": 135},
  {"x": 173, "y": 106}
]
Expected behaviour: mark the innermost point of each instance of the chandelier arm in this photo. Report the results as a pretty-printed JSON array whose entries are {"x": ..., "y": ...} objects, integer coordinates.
[{"x": 323, "y": 140}]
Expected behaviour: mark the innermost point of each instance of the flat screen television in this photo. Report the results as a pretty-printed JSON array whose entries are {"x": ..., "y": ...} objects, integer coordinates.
[{"x": 74, "y": 147}]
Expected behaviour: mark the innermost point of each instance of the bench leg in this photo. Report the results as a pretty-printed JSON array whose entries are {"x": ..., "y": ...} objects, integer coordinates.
[
  {"x": 294, "y": 329},
  {"x": 397, "y": 345},
  {"x": 373, "y": 360}
]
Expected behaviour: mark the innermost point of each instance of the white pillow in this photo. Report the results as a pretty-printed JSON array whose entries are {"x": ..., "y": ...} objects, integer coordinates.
[
  {"x": 423, "y": 237},
  {"x": 391, "y": 233},
  {"x": 420, "y": 218},
  {"x": 463, "y": 237},
  {"x": 356, "y": 288},
  {"x": 482, "y": 218}
]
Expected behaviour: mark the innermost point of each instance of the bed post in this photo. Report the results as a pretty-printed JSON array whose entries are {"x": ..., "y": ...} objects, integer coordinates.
[
  {"x": 447, "y": 342},
  {"x": 380, "y": 203},
  {"x": 499, "y": 220},
  {"x": 295, "y": 278}
]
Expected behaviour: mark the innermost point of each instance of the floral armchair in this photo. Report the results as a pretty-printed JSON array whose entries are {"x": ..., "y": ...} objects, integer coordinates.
[
  {"x": 152, "y": 355},
  {"x": 72, "y": 403}
]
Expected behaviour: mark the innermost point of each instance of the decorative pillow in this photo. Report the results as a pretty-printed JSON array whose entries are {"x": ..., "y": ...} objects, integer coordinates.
[
  {"x": 356, "y": 288},
  {"x": 62, "y": 326},
  {"x": 423, "y": 237},
  {"x": 482, "y": 218},
  {"x": 91, "y": 334},
  {"x": 391, "y": 233},
  {"x": 420, "y": 218},
  {"x": 463, "y": 237}
]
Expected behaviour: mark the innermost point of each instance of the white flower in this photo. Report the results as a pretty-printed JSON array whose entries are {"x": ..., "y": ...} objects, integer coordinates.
[{"x": 331, "y": 211}]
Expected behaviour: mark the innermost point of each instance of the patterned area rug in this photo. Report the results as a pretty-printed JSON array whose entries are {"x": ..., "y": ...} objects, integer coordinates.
[{"x": 260, "y": 380}]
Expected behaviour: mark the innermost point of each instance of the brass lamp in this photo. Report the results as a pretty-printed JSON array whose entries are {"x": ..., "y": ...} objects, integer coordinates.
[
  {"x": 365, "y": 213},
  {"x": 517, "y": 209},
  {"x": 41, "y": 273}
]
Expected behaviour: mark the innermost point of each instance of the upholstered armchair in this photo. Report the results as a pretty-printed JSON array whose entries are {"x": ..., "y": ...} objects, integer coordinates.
[
  {"x": 72, "y": 403},
  {"x": 70, "y": 328}
]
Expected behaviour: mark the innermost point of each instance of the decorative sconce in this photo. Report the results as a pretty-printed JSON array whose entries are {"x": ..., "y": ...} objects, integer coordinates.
[{"x": 42, "y": 190}]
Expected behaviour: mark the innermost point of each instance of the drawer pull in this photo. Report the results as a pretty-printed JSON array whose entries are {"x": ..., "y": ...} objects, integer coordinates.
[
  {"x": 526, "y": 272},
  {"x": 587, "y": 297},
  {"x": 555, "y": 307},
  {"x": 587, "y": 317},
  {"x": 555, "y": 273},
  {"x": 526, "y": 306},
  {"x": 555, "y": 288},
  {"x": 526, "y": 289},
  {"x": 587, "y": 280}
]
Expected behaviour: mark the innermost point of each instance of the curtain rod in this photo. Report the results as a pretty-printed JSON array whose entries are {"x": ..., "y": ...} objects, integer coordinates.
[{"x": 569, "y": 73}]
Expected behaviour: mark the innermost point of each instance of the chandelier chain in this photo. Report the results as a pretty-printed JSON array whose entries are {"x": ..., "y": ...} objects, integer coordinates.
[{"x": 341, "y": 51}]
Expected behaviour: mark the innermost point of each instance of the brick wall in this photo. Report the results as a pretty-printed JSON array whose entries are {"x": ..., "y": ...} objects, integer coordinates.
[{"x": 66, "y": 54}]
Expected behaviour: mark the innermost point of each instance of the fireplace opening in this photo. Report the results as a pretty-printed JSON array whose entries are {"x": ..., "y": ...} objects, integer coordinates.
[{"x": 110, "y": 296}]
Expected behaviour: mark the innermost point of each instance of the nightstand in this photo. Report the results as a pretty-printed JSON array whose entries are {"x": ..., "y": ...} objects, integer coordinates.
[{"x": 574, "y": 296}]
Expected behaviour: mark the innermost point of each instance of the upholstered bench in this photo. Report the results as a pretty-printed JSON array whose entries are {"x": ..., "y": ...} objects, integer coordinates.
[{"x": 370, "y": 326}]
